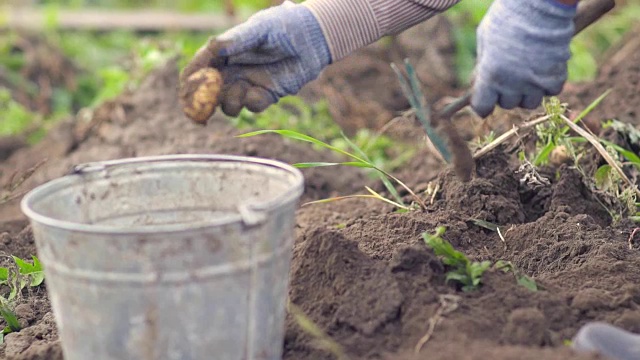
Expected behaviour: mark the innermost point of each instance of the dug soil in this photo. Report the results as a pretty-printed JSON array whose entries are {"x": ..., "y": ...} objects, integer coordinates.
[{"x": 361, "y": 270}]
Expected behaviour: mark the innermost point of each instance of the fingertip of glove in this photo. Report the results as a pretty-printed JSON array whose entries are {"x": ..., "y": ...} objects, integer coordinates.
[
  {"x": 259, "y": 99},
  {"x": 483, "y": 100}
]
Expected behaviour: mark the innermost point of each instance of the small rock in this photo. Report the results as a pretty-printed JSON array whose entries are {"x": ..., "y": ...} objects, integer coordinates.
[
  {"x": 16, "y": 343},
  {"x": 25, "y": 313},
  {"x": 525, "y": 326}
]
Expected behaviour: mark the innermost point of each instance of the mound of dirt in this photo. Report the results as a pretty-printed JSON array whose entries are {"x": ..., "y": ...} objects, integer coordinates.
[{"x": 582, "y": 266}]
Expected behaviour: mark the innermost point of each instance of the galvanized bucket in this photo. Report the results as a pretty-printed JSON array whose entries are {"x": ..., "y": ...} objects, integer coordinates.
[{"x": 181, "y": 257}]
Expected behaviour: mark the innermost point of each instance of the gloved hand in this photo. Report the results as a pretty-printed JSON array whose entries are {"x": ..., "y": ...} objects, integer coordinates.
[
  {"x": 523, "y": 49},
  {"x": 272, "y": 54},
  {"x": 608, "y": 340}
]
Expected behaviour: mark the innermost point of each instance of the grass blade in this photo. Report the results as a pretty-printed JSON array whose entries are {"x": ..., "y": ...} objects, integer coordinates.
[
  {"x": 302, "y": 137},
  {"x": 587, "y": 110},
  {"x": 380, "y": 197},
  {"x": 337, "y": 198},
  {"x": 385, "y": 180},
  {"x": 321, "y": 164}
]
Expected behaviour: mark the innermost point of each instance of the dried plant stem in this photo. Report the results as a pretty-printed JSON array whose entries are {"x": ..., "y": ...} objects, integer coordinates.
[
  {"x": 322, "y": 340},
  {"x": 413, "y": 194},
  {"x": 448, "y": 304},
  {"x": 507, "y": 135},
  {"x": 8, "y": 192},
  {"x": 603, "y": 152}
]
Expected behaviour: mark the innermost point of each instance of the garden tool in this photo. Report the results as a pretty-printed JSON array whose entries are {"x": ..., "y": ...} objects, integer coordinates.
[{"x": 457, "y": 151}]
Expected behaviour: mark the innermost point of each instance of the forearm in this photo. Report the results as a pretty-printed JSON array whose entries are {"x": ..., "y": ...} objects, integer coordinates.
[{"x": 352, "y": 24}]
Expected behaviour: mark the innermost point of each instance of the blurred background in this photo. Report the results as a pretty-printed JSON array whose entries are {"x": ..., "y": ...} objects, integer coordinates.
[{"x": 60, "y": 56}]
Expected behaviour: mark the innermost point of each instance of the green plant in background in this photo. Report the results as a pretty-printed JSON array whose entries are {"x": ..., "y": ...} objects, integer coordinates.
[
  {"x": 462, "y": 270},
  {"x": 14, "y": 118},
  {"x": 466, "y": 16},
  {"x": 17, "y": 276}
]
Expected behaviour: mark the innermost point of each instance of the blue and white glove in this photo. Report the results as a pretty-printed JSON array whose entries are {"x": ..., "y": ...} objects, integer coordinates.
[
  {"x": 273, "y": 54},
  {"x": 523, "y": 49},
  {"x": 608, "y": 340}
]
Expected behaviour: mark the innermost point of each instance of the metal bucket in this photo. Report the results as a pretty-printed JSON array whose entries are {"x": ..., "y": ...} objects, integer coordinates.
[{"x": 181, "y": 257}]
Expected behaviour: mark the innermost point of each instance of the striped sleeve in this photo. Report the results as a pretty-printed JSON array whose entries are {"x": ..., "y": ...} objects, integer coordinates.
[{"x": 351, "y": 24}]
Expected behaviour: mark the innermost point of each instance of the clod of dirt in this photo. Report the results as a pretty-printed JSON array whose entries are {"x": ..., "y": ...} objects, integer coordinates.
[
  {"x": 346, "y": 274},
  {"x": 588, "y": 300},
  {"x": 41, "y": 351},
  {"x": 630, "y": 321},
  {"x": 32, "y": 339},
  {"x": 572, "y": 196},
  {"x": 491, "y": 196},
  {"x": 525, "y": 326},
  {"x": 199, "y": 95}
]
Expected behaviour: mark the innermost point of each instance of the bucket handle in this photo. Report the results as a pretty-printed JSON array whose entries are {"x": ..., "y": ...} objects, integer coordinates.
[
  {"x": 97, "y": 166},
  {"x": 250, "y": 214}
]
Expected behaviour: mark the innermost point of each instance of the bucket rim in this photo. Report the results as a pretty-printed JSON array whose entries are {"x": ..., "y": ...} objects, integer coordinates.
[{"x": 247, "y": 214}]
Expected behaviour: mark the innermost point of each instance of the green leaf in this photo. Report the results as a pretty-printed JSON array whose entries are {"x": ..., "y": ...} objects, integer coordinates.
[
  {"x": 443, "y": 248},
  {"x": 10, "y": 318},
  {"x": 602, "y": 177},
  {"x": 628, "y": 154},
  {"x": 37, "y": 277},
  {"x": 503, "y": 265},
  {"x": 4, "y": 275},
  {"x": 528, "y": 282},
  {"x": 462, "y": 278},
  {"x": 485, "y": 224},
  {"x": 34, "y": 271},
  {"x": 591, "y": 106},
  {"x": 543, "y": 155}
]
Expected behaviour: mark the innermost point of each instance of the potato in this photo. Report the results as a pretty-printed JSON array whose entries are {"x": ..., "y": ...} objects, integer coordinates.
[{"x": 200, "y": 94}]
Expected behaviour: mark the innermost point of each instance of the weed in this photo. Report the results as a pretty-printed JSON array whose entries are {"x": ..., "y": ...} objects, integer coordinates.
[
  {"x": 521, "y": 278},
  {"x": 13, "y": 325},
  {"x": 463, "y": 271},
  {"x": 469, "y": 273},
  {"x": 293, "y": 113},
  {"x": 360, "y": 160},
  {"x": 17, "y": 276}
]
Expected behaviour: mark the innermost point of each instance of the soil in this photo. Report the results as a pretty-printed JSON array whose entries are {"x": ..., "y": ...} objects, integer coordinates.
[{"x": 361, "y": 271}]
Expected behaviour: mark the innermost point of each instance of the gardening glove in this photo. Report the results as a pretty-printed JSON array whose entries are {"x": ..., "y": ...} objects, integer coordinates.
[
  {"x": 523, "y": 49},
  {"x": 272, "y": 54},
  {"x": 608, "y": 340}
]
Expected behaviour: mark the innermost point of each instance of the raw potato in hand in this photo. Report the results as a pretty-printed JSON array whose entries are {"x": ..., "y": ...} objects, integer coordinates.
[{"x": 200, "y": 94}]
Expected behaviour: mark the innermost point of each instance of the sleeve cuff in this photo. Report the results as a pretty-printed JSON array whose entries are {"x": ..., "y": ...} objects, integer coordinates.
[{"x": 351, "y": 24}]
